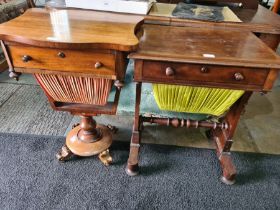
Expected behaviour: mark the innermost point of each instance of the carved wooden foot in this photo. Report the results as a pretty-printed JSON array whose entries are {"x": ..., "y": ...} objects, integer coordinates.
[
  {"x": 105, "y": 157},
  {"x": 64, "y": 154},
  {"x": 112, "y": 128},
  {"x": 132, "y": 170},
  {"x": 229, "y": 170}
]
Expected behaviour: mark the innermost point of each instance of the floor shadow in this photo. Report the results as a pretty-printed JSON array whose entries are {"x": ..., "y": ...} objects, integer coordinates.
[
  {"x": 147, "y": 170},
  {"x": 253, "y": 168}
]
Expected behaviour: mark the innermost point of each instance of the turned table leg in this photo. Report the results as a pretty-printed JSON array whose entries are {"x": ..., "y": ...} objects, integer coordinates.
[
  {"x": 132, "y": 167},
  {"x": 87, "y": 139}
]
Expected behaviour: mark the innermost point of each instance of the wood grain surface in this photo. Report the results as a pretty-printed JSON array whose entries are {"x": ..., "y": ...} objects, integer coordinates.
[
  {"x": 50, "y": 59},
  {"x": 75, "y": 29},
  {"x": 204, "y": 46},
  {"x": 259, "y": 20}
]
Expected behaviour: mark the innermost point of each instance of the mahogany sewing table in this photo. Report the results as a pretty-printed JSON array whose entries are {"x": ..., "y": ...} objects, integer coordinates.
[
  {"x": 75, "y": 56},
  {"x": 165, "y": 62},
  {"x": 90, "y": 44},
  {"x": 239, "y": 61}
]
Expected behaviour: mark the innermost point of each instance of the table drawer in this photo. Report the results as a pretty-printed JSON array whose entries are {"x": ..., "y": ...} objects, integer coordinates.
[
  {"x": 169, "y": 72},
  {"x": 79, "y": 61}
]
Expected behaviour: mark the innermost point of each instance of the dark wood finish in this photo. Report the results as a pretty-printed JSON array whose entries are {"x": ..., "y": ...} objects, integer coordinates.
[
  {"x": 185, "y": 123},
  {"x": 271, "y": 40},
  {"x": 276, "y": 6},
  {"x": 190, "y": 74},
  {"x": 224, "y": 138},
  {"x": 259, "y": 21},
  {"x": 67, "y": 31},
  {"x": 193, "y": 45},
  {"x": 132, "y": 167},
  {"x": 240, "y": 61},
  {"x": 247, "y": 4}
]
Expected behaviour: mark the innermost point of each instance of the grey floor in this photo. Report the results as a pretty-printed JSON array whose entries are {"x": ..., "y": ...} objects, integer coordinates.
[{"x": 25, "y": 109}]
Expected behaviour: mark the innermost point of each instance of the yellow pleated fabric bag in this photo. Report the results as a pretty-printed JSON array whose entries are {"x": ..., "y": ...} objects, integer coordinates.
[{"x": 212, "y": 101}]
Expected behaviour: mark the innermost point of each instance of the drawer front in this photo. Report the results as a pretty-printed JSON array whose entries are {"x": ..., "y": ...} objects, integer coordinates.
[
  {"x": 84, "y": 61},
  {"x": 182, "y": 73}
]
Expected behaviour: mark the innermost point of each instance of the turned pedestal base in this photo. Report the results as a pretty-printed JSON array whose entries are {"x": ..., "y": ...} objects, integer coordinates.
[{"x": 88, "y": 139}]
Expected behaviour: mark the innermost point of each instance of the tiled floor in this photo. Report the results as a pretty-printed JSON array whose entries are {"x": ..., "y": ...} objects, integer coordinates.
[{"x": 23, "y": 105}]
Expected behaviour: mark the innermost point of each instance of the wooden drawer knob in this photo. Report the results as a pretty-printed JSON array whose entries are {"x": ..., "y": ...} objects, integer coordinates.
[
  {"x": 204, "y": 69},
  {"x": 26, "y": 58},
  {"x": 61, "y": 54},
  {"x": 169, "y": 71},
  {"x": 98, "y": 64},
  {"x": 238, "y": 76}
]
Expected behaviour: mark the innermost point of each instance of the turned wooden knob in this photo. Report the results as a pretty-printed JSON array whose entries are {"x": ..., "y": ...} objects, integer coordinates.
[
  {"x": 238, "y": 76},
  {"x": 169, "y": 71},
  {"x": 204, "y": 69},
  {"x": 98, "y": 64},
  {"x": 26, "y": 58},
  {"x": 61, "y": 54}
]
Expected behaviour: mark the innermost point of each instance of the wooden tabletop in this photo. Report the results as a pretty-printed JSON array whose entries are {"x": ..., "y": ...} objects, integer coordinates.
[
  {"x": 73, "y": 29},
  {"x": 261, "y": 20},
  {"x": 204, "y": 45}
]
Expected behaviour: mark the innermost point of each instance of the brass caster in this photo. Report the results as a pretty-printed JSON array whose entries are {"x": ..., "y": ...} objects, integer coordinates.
[
  {"x": 227, "y": 181},
  {"x": 105, "y": 157},
  {"x": 64, "y": 154},
  {"x": 75, "y": 125},
  {"x": 112, "y": 128}
]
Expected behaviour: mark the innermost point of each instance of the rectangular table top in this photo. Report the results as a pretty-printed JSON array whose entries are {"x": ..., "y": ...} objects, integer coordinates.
[{"x": 204, "y": 45}]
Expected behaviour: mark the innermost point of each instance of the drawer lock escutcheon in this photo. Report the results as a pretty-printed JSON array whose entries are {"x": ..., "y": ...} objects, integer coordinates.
[
  {"x": 26, "y": 58},
  {"x": 98, "y": 65},
  {"x": 169, "y": 71},
  {"x": 238, "y": 76}
]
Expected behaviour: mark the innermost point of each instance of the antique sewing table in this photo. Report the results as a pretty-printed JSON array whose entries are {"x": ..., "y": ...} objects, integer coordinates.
[
  {"x": 244, "y": 63},
  {"x": 65, "y": 47},
  {"x": 75, "y": 57},
  {"x": 202, "y": 57}
]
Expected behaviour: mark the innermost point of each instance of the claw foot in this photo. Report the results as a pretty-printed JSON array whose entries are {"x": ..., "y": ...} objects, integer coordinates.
[
  {"x": 64, "y": 154},
  {"x": 112, "y": 128},
  {"x": 105, "y": 157}
]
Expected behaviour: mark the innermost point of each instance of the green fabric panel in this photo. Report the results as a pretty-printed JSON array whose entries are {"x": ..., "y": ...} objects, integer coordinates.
[{"x": 200, "y": 100}]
